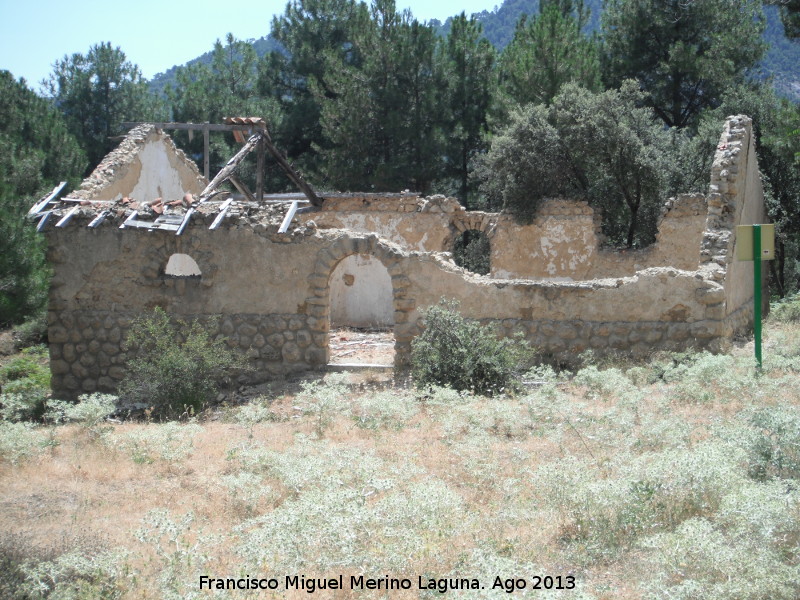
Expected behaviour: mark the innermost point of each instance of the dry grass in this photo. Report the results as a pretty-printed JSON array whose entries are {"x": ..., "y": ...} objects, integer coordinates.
[{"x": 472, "y": 487}]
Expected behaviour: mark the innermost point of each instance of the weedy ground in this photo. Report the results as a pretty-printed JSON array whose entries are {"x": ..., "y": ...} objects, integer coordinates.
[{"x": 676, "y": 477}]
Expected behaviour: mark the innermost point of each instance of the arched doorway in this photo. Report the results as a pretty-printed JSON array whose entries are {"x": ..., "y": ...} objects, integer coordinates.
[{"x": 362, "y": 313}]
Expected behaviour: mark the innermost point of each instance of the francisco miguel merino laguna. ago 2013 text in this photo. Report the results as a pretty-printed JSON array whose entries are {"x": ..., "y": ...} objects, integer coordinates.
[{"x": 360, "y": 582}]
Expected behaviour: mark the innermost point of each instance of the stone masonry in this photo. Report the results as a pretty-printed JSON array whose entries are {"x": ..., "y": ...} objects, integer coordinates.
[{"x": 268, "y": 294}]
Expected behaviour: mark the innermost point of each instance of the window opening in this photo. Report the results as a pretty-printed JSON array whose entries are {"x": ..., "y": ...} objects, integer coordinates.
[{"x": 471, "y": 251}]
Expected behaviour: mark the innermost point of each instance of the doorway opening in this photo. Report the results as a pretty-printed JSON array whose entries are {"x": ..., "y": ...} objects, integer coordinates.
[{"x": 362, "y": 313}]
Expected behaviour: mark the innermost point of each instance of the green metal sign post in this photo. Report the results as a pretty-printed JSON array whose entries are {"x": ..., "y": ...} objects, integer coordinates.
[
  {"x": 756, "y": 243},
  {"x": 757, "y": 291}
]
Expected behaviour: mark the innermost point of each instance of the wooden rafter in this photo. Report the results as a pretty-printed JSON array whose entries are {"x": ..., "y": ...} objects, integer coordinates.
[{"x": 260, "y": 140}]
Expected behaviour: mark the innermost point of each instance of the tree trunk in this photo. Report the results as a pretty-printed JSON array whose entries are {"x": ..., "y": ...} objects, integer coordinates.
[{"x": 632, "y": 225}]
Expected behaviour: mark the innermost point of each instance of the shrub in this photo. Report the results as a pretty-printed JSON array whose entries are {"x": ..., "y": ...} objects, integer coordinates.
[
  {"x": 33, "y": 331},
  {"x": 436, "y": 395},
  {"x": 19, "y": 441},
  {"x": 76, "y": 575},
  {"x": 383, "y": 409},
  {"x": 472, "y": 251},
  {"x": 318, "y": 463},
  {"x": 654, "y": 492},
  {"x": 774, "y": 443},
  {"x": 787, "y": 310},
  {"x": 699, "y": 378},
  {"x": 338, "y": 528},
  {"x": 180, "y": 546},
  {"x": 24, "y": 386},
  {"x": 254, "y": 412},
  {"x": 67, "y": 569},
  {"x": 324, "y": 401},
  {"x": 90, "y": 410},
  {"x": 169, "y": 442},
  {"x": 456, "y": 352},
  {"x": 701, "y": 562},
  {"x": 605, "y": 384},
  {"x": 174, "y": 371},
  {"x": 246, "y": 491}
]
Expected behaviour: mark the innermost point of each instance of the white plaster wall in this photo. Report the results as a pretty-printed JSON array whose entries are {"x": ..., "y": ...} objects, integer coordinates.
[
  {"x": 158, "y": 177},
  {"x": 361, "y": 293}
]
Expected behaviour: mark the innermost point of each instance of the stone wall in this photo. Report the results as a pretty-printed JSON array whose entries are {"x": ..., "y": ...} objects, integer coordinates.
[
  {"x": 734, "y": 182},
  {"x": 88, "y": 350},
  {"x": 270, "y": 294},
  {"x": 563, "y": 243},
  {"x": 415, "y": 223}
]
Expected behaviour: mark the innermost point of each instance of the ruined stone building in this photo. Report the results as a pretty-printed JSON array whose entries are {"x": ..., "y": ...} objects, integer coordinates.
[{"x": 364, "y": 259}]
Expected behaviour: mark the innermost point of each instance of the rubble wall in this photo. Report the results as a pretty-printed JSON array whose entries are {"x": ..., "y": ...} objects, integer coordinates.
[
  {"x": 734, "y": 180},
  {"x": 275, "y": 306},
  {"x": 562, "y": 243},
  {"x": 269, "y": 294},
  {"x": 415, "y": 223}
]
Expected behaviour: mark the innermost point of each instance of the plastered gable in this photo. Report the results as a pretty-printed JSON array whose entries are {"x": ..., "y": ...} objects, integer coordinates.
[{"x": 145, "y": 166}]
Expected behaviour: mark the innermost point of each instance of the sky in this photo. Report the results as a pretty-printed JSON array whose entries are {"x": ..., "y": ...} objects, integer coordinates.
[{"x": 154, "y": 34}]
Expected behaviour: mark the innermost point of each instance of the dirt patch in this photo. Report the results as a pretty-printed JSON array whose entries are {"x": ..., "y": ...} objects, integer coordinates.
[{"x": 362, "y": 346}]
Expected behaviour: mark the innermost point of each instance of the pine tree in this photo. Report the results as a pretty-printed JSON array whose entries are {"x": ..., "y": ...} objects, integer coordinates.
[
  {"x": 469, "y": 86},
  {"x": 36, "y": 151},
  {"x": 683, "y": 53},
  {"x": 316, "y": 36},
  {"x": 97, "y": 92},
  {"x": 547, "y": 52},
  {"x": 381, "y": 117}
]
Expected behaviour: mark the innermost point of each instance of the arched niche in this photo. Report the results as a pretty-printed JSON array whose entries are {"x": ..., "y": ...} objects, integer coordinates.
[{"x": 182, "y": 265}]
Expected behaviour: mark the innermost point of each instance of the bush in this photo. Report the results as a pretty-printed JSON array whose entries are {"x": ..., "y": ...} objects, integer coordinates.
[
  {"x": 33, "y": 331},
  {"x": 90, "y": 411},
  {"x": 177, "y": 368},
  {"x": 604, "y": 514},
  {"x": 699, "y": 561},
  {"x": 24, "y": 386},
  {"x": 66, "y": 569},
  {"x": 387, "y": 409},
  {"x": 605, "y": 384},
  {"x": 169, "y": 442},
  {"x": 787, "y": 310},
  {"x": 324, "y": 401},
  {"x": 472, "y": 251},
  {"x": 459, "y": 353},
  {"x": 19, "y": 441},
  {"x": 774, "y": 444}
]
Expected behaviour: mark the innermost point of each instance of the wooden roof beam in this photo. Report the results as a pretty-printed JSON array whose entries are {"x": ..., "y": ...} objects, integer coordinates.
[{"x": 296, "y": 178}]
